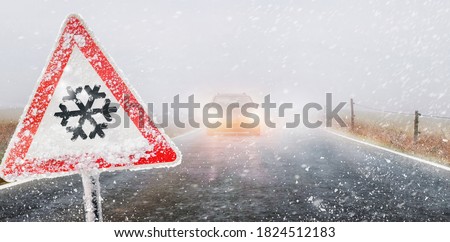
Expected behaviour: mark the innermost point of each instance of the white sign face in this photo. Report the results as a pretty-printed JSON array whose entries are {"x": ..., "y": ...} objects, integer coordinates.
[{"x": 52, "y": 137}]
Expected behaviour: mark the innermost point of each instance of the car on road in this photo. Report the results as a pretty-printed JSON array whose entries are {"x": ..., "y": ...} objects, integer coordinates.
[{"x": 237, "y": 116}]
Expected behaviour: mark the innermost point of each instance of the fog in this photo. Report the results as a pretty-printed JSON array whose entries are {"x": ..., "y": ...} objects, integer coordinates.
[{"x": 390, "y": 55}]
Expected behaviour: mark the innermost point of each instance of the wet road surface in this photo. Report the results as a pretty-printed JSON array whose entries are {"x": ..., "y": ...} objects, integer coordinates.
[{"x": 282, "y": 175}]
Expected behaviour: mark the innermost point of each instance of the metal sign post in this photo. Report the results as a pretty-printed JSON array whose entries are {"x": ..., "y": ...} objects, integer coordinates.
[{"x": 92, "y": 197}]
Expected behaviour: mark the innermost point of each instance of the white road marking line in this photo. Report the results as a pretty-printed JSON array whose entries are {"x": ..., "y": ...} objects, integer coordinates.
[
  {"x": 393, "y": 151},
  {"x": 186, "y": 134},
  {"x": 337, "y": 134},
  {"x": 8, "y": 185}
]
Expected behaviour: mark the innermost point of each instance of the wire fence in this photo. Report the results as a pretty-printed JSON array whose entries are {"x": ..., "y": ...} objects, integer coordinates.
[
  {"x": 429, "y": 124},
  {"x": 400, "y": 113}
]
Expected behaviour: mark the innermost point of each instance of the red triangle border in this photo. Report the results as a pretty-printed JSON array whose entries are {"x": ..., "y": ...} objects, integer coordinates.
[{"x": 15, "y": 166}]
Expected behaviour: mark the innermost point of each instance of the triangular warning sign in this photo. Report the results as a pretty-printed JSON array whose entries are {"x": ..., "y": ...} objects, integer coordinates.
[{"x": 76, "y": 118}]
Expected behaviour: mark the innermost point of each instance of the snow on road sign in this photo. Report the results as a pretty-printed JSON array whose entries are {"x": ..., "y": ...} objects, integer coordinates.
[{"x": 71, "y": 120}]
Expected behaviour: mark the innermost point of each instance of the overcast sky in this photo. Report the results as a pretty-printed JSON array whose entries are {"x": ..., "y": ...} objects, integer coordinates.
[{"x": 392, "y": 55}]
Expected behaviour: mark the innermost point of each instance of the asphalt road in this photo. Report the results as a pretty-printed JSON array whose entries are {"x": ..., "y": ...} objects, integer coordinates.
[{"x": 282, "y": 175}]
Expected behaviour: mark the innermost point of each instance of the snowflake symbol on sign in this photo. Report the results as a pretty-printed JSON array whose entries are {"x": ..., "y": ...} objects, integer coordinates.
[{"x": 85, "y": 112}]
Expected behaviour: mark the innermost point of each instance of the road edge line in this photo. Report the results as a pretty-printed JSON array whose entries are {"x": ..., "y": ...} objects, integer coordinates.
[
  {"x": 186, "y": 134},
  {"x": 11, "y": 184},
  {"x": 431, "y": 163}
]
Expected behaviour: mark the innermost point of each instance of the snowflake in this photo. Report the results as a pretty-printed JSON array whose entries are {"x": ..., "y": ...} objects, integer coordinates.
[{"x": 85, "y": 112}]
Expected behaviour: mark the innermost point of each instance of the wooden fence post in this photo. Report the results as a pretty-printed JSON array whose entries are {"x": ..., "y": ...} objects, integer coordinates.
[
  {"x": 416, "y": 126},
  {"x": 352, "y": 118}
]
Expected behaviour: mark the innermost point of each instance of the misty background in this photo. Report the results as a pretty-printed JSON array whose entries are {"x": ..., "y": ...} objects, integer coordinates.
[{"x": 392, "y": 55}]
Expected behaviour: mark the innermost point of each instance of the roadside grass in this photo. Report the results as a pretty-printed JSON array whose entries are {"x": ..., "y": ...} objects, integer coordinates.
[{"x": 397, "y": 132}]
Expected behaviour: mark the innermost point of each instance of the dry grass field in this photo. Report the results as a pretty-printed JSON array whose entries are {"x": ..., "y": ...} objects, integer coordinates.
[{"x": 397, "y": 132}]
